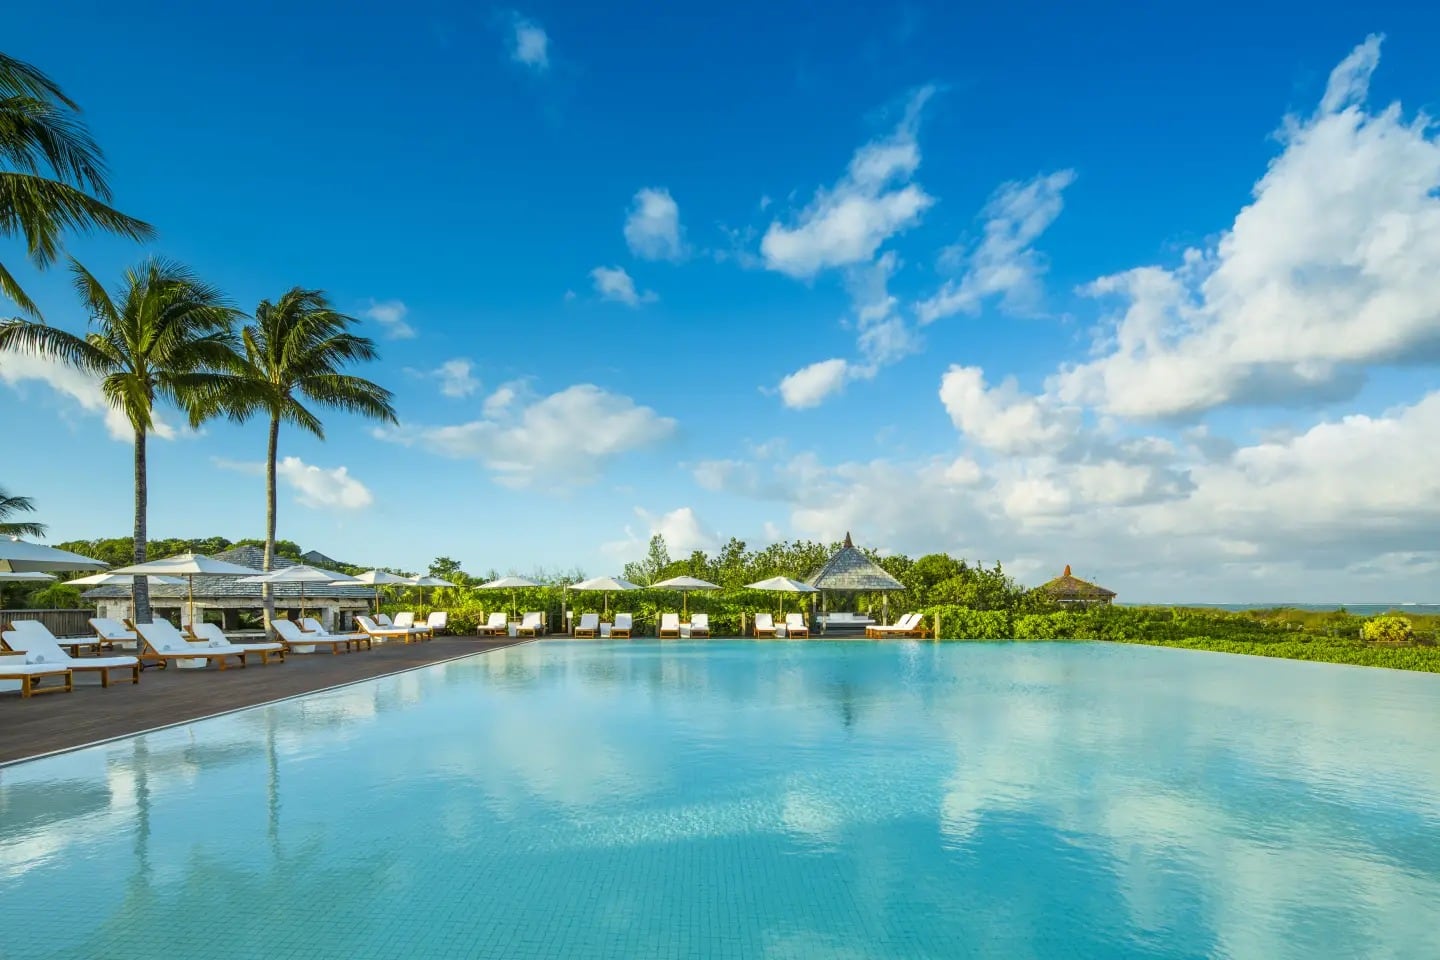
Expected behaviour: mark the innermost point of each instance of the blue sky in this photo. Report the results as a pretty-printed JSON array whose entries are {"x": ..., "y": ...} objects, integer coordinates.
[{"x": 1135, "y": 291}]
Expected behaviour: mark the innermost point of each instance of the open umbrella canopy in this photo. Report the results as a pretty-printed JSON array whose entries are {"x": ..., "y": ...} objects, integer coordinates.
[
  {"x": 607, "y": 584},
  {"x": 685, "y": 585},
  {"x": 301, "y": 573},
  {"x": 108, "y": 578},
  {"x": 510, "y": 583},
  {"x": 783, "y": 585},
  {"x": 26, "y": 577},
  {"x": 425, "y": 580},
  {"x": 380, "y": 578},
  {"x": 21, "y": 556},
  {"x": 188, "y": 565}
]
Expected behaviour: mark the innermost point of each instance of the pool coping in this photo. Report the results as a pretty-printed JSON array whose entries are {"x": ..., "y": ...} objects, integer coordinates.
[{"x": 5, "y": 764}]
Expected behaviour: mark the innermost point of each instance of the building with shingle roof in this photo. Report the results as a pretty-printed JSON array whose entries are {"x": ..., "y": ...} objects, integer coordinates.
[
  {"x": 334, "y": 605},
  {"x": 850, "y": 570},
  {"x": 1070, "y": 590}
]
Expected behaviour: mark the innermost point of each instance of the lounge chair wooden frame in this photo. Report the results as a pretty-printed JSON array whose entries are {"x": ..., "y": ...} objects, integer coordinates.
[
  {"x": 491, "y": 629},
  {"x": 532, "y": 629},
  {"x": 356, "y": 638},
  {"x": 663, "y": 632},
  {"x": 802, "y": 629},
  {"x": 703, "y": 630},
  {"x": 623, "y": 633},
  {"x": 760, "y": 631},
  {"x": 315, "y": 640},
  {"x": 162, "y": 660},
  {"x": 30, "y": 679},
  {"x": 584, "y": 631}
]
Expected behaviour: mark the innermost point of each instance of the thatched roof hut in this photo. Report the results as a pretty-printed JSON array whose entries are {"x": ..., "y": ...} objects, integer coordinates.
[
  {"x": 850, "y": 570},
  {"x": 1070, "y": 589}
]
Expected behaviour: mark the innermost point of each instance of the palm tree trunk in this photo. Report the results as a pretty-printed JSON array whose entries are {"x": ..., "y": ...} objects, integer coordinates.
[
  {"x": 141, "y": 590},
  {"x": 270, "y": 514}
]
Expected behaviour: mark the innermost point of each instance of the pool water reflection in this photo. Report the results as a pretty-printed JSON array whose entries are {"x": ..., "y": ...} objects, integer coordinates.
[{"x": 790, "y": 800}]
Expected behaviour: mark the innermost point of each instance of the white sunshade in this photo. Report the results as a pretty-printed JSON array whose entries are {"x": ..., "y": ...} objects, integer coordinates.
[
  {"x": 510, "y": 583},
  {"x": 685, "y": 583},
  {"x": 189, "y": 565},
  {"x": 21, "y": 556},
  {"x": 425, "y": 580},
  {"x": 26, "y": 577},
  {"x": 783, "y": 585},
  {"x": 302, "y": 573},
  {"x": 608, "y": 584},
  {"x": 380, "y": 578},
  {"x": 107, "y": 579}
]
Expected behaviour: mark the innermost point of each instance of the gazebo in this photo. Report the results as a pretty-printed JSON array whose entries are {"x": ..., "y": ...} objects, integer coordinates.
[
  {"x": 1070, "y": 591},
  {"x": 335, "y": 606},
  {"x": 850, "y": 571}
]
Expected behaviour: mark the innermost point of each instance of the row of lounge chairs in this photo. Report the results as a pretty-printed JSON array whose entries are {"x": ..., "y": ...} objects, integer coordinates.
[{"x": 31, "y": 654}]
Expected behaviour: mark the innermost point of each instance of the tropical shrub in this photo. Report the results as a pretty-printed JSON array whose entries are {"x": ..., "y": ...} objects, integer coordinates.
[{"x": 1387, "y": 629}]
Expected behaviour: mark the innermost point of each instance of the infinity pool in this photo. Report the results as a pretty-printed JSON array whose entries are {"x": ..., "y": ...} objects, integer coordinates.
[{"x": 783, "y": 800}]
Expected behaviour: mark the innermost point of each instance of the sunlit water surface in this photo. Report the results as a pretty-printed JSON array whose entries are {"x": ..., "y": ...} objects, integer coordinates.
[{"x": 788, "y": 800}]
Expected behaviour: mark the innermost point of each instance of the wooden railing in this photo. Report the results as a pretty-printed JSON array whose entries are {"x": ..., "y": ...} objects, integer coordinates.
[{"x": 62, "y": 623}]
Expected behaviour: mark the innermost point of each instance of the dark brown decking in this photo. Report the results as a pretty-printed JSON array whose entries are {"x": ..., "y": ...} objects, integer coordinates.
[{"x": 60, "y": 721}]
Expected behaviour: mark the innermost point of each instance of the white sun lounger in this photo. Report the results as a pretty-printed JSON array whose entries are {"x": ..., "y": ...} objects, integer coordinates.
[
  {"x": 495, "y": 626},
  {"x": 161, "y": 641},
  {"x": 700, "y": 625},
  {"x": 764, "y": 625},
  {"x": 437, "y": 621},
  {"x": 378, "y": 632},
  {"x": 589, "y": 625},
  {"x": 531, "y": 624},
  {"x": 624, "y": 624},
  {"x": 796, "y": 626},
  {"x": 34, "y": 639},
  {"x": 358, "y": 639},
  {"x": 298, "y": 641},
  {"x": 906, "y": 626},
  {"x": 211, "y": 633},
  {"x": 113, "y": 633},
  {"x": 669, "y": 626},
  {"x": 29, "y": 675}
]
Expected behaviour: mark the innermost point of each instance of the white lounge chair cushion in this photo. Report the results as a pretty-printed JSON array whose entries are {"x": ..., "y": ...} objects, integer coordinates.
[
  {"x": 16, "y": 668},
  {"x": 39, "y": 645}
]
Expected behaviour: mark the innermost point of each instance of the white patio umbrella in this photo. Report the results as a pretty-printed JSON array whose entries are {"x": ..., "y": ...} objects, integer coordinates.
[
  {"x": 512, "y": 584},
  {"x": 685, "y": 585},
  {"x": 782, "y": 586},
  {"x": 21, "y": 556},
  {"x": 107, "y": 579},
  {"x": 303, "y": 573},
  {"x": 425, "y": 580},
  {"x": 189, "y": 566},
  {"x": 607, "y": 585},
  {"x": 378, "y": 579}
]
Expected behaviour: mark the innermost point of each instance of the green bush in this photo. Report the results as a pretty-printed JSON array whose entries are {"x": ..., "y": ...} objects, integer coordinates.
[{"x": 1387, "y": 629}]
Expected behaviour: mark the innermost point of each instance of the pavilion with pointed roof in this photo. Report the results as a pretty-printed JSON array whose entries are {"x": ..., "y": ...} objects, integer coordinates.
[
  {"x": 1069, "y": 590},
  {"x": 852, "y": 571}
]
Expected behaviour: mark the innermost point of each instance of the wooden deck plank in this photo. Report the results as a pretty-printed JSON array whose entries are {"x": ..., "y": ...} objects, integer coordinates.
[{"x": 43, "y": 725}]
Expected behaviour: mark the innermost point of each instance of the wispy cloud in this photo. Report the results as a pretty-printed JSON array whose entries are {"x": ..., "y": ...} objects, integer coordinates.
[
  {"x": 390, "y": 314},
  {"x": 529, "y": 43},
  {"x": 613, "y": 283}
]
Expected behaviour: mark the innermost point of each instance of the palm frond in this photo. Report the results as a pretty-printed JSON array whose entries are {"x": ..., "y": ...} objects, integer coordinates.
[
  {"x": 352, "y": 395},
  {"x": 42, "y": 210},
  {"x": 38, "y": 135},
  {"x": 91, "y": 292},
  {"x": 27, "y": 336},
  {"x": 18, "y": 78},
  {"x": 11, "y": 288}
]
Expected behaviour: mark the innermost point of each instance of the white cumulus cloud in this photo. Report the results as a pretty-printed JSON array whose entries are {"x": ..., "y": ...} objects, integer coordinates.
[
  {"x": 872, "y": 202},
  {"x": 652, "y": 229},
  {"x": 613, "y": 283},
  {"x": 812, "y": 385},
  {"x": 456, "y": 377},
  {"x": 559, "y": 440},
  {"x": 316, "y": 487},
  {"x": 529, "y": 43},
  {"x": 83, "y": 388}
]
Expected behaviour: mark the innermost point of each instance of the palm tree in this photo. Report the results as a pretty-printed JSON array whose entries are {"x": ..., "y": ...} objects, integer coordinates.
[
  {"x": 294, "y": 352},
  {"x": 52, "y": 174},
  {"x": 18, "y": 528},
  {"x": 165, "y": 335}
]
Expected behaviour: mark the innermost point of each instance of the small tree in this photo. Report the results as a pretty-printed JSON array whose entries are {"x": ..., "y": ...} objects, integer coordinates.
[{"x": 1388, "y": 629}]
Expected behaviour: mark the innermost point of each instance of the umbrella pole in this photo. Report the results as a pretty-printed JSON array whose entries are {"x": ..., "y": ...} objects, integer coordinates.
[{"x": 191, "y": 597}]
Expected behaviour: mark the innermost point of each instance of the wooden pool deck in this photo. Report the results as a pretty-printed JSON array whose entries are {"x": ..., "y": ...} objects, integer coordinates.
[{"x": 61, "y": 721}]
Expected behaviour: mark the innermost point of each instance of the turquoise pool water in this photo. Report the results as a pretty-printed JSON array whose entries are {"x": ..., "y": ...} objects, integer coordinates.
[{"x": 782, "y": 800}]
